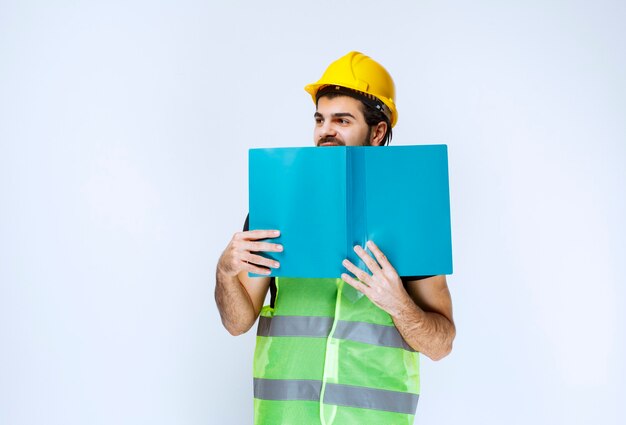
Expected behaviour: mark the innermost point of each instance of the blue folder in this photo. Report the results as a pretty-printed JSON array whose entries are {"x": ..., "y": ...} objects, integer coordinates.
[{"x": 325, "y": 200}]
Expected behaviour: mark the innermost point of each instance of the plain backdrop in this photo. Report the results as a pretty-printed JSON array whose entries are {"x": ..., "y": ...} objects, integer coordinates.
[{"x": 124, "y": 130}]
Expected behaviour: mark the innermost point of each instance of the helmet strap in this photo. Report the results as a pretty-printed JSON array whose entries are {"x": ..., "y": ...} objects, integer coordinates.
[{"x": 368, "y": 99}]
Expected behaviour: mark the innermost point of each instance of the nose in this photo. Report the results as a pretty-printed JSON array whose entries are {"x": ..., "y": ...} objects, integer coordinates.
[{"x": 327, "y": 130}]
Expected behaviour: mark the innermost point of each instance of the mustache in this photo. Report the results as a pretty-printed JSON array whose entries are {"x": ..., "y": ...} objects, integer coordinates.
[{"x": 330, "y": 139}]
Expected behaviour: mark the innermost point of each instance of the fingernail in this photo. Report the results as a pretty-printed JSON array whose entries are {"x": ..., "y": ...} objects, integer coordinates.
[
  {"x": 276, "y": 265},
  {"x": 369, "y": 243},
  {"x": 276, "y": 232},
  {"x": 356, "y": 247},
  {"x": 344, "y": 262},
  {"x": 280, "y": 247}
]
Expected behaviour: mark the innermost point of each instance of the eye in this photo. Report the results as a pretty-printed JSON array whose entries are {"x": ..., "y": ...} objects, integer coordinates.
[
  {"x": 343, "y": 121},
  {"x": 318, "y": 120}
]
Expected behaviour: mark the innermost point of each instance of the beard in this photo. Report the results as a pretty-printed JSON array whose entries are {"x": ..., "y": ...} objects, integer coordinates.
[{"x": 330, "y": 139}]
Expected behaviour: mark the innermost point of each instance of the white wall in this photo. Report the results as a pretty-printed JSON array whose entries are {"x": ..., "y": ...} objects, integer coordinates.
[{"x": 124, "y": 129}]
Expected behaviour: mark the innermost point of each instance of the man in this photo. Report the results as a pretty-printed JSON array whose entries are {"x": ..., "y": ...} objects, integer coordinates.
[{"x": 328, "y": 352}]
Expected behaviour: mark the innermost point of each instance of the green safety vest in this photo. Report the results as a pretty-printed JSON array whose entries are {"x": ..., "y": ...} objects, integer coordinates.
[{"x": 325, "y": 354}]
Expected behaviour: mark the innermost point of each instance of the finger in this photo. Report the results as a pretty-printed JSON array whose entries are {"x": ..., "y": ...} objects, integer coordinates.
[
  {"x": 380, "y": 257},
  {"x": 262, "y": 247},
  {"x": 367, "y": 259},
  {"x": 360, "y": 273},
  {"x": 261, "y": 261},
  {"x": 262, "y": 234},
  {"x": 359, "y": 286},
  {"x": 249, "y": 267},
  {"x": 257, "y": 234}
]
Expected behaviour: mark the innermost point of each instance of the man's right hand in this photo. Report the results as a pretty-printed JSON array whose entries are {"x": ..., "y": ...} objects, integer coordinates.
[{"x": 241, "y": 253}]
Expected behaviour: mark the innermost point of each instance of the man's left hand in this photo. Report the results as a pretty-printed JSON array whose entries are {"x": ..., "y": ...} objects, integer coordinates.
[{"x": 383, "y": 286}]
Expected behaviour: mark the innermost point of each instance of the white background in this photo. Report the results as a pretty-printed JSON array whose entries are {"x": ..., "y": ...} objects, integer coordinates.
[{"x": 124, "y": 130}]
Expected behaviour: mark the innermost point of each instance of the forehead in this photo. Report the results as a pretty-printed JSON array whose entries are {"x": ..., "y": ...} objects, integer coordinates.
[{"x": 339, "y": 104}]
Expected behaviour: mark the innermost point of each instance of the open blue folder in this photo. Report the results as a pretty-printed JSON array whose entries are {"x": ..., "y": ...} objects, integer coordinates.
[{"x": 325, "y": 200}]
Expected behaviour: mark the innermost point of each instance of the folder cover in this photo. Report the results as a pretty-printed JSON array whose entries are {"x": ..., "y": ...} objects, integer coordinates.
[{"x": 325, "y": 200}]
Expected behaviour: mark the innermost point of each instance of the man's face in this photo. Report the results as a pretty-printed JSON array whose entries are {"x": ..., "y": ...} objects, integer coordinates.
[{"x": 340, "y": 122}]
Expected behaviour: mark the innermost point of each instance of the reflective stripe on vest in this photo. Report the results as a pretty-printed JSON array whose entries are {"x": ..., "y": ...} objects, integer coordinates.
[
  {"x": 315, "y": 326},
  {"x": 343, "y": 395}
]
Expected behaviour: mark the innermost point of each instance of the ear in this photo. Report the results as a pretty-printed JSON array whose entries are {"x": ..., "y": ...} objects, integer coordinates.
[{"x": 377, "y": 134}]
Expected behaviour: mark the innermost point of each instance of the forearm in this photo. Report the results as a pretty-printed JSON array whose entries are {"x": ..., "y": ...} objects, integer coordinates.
[
  {"x": 234, "y": 304},
  {"x": 429, "y": 333}
]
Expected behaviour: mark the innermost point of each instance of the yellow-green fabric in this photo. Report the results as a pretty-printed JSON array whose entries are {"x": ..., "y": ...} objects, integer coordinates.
[{"x": 325, "y": 354}]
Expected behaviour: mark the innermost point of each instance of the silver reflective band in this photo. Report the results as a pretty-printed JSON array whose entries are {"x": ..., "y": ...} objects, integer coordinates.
[
  {"x": 371, "y": 398},
  {"x": 370, "y": 333},
  {"x": 315, "y": 326},
  {"x": 282, "y": 389},
  {"x": 337, "y": 394}
]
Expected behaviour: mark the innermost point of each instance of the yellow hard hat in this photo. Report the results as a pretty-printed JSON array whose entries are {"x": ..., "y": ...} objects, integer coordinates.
[{"x": 361, "y": 73}]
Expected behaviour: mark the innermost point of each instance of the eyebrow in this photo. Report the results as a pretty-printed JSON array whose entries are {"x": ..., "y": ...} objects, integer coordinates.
[{"x": 336, "y": 115}]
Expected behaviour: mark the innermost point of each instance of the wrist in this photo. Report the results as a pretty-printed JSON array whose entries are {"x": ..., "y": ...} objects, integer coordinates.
[
  {"x": 407, "y": 308},
  {"x": 224, "y": 270}
]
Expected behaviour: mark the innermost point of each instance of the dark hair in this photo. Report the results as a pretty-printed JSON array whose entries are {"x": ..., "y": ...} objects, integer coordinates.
[{"x": 371, "y": 114}]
